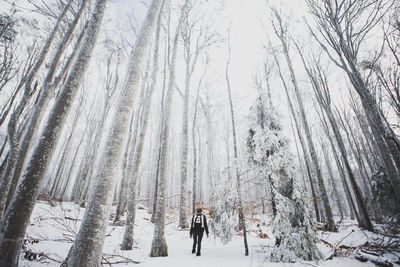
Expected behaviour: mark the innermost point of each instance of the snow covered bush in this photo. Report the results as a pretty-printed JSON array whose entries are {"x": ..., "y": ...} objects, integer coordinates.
[
  {"x": 224, "y": 220},
  {"x": 293, "y": 224}
]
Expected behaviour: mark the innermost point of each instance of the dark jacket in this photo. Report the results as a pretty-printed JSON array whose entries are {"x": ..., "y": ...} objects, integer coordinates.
[{"x": 196, "y": 227}]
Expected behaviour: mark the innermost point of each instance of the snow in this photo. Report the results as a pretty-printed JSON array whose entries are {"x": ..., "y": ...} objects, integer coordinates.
[{"x": 55, "y": 223}]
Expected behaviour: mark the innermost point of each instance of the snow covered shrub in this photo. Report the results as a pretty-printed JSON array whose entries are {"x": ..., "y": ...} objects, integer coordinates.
[
  {"x": 224, "y": 220},
  {"x": 293, "y": 224},
  {"x": 294, "y": 228}
]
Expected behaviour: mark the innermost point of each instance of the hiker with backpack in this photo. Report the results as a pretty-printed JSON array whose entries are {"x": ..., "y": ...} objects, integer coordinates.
[{"x": 197, "y": 227}]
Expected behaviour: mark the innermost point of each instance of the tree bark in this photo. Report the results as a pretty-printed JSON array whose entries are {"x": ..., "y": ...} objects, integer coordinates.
[
  {"x": 43, "y": 98},
  {"x": 127, "y": 242},
  {"x": 18, "y": 213},
  {"x": 159, "y": 246},
  {"x": 14, "y": 141},
  {"x": 242, "y": 219},
  {"x": 345, "y": 40},
  {"x": 282, "y": 35},
  {"x": 321, "y": 89},
  {"x": 87, "y": 248}
]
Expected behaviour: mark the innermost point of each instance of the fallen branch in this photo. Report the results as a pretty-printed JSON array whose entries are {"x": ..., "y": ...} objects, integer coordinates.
[
  {"x": 110, "y": 259},
  {"x": 363, "y": 255}
]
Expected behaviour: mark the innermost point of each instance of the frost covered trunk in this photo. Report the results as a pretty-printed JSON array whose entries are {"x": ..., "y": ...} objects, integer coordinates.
[
  {"x": 14, "y": 141},
  {"x": 184, "y": 149},
  {"x": 17, "y": 215},
  {"x": 242, "y": 220},
  {"x": 282, "y": 35},
  {"x": 159, "y": 246},
  {"x": 127, "y": 242},
  {"x": 210, "y": 147},
  {"x": 302, "y": 142},
  {"x": 334, "y": 185},
  {"x": 87, "y": 248},
  {"x": 194, "y": 188},
  {"x": 352, "y": 206},
  {"x": 49, "y": 84},
  {"x": 364, "y": 220},
  {"x": 128, "y": 157},
  {"x": 323, "y": 96},
  {"x": 344, "y": 42},
  {"x": 92, "y": 153}
]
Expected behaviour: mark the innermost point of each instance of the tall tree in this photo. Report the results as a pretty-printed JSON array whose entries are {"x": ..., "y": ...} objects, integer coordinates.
[
  {"x": 50, "y": 83},
  {"x": 301, "y": 138},
  {"x": 343, "y": 27},
  {"x": 87, "y": 248},
  {"x": 322, "y": 91},
  {"x": 14, "y": 141},
  {"x": 127, "y": 242},
  {"x": 293, "y": 224},
  {"x": 159, "y": 246},
  {"x": 197, "y": 36},
  {"x": 242, "y": 219},
  {"x": 20, "y": 209},
  {"x": 281, "y": 32}
]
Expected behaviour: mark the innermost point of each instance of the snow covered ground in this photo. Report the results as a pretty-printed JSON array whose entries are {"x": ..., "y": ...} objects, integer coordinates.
[{"x": 52, "y": 230}]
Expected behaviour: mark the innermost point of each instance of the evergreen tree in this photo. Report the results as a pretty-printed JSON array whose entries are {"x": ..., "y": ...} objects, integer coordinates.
[{"x": 293, "y": 224}]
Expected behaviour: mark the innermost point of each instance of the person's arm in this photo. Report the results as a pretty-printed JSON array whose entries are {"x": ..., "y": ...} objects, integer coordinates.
[
  {"x": 191, "y": 227},
  {"x": 205, "y": 225}
]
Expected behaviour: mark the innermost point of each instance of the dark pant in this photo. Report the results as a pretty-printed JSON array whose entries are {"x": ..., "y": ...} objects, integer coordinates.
[{"x": 197, "y": 237}]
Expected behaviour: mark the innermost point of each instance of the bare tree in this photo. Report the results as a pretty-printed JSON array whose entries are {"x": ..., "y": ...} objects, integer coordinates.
[
  {"x": 87, "y": 248},
  {"x": 127, "y": 242},
  {"x": 18, "y": 213},
  {"x": 12, "y": 134},
  {"x": 322, "y": 91},
  {"x": 343, "y": 27},
  {"x": 242, "y": 219},
  {"x": 159, "y": 245},
  {"x": 281, "y": 32},
  {"x": 197, "y": 36},
  {"x": 50, "y": 83}
]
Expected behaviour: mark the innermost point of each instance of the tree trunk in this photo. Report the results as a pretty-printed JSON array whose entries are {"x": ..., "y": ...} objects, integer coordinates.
[
  {"x": 282, "y": 35},
  {"x": 18, "y": 214},
  {"x": 127, "y": 242},
  {"x": 14, "y": 141},
  {"x": 159, "y": 246},
  {"x": 344, "y": 39},
  {"x": 87, "y": 248},
  {"x": 334, "y": 185},
  {"x": 242, "y": 219},
  {"x": 184, "y": 150},
  {"x": 318, "y": 80},
  {"x": 43, "y": 99},
  {"x": 314, "y": 192}
]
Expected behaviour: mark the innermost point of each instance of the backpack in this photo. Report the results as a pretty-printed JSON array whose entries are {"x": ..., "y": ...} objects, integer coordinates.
[{"x": 198, "y": 222}]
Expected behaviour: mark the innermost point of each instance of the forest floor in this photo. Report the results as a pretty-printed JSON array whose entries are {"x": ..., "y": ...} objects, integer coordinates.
[{"x": 53, "y": 227}]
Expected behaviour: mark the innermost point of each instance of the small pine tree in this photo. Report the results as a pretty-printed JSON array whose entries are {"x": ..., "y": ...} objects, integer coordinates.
[{"x": 293, "y": 224}]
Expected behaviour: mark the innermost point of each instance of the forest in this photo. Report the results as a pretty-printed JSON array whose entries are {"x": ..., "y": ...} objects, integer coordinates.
[{"x": 279, "y": 119}]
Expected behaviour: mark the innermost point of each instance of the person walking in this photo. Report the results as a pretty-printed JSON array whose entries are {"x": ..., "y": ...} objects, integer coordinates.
[{"x": 199, "y": 224}]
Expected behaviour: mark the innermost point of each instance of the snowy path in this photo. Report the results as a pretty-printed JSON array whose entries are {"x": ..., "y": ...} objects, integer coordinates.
[{"x": 51, "y": 233}]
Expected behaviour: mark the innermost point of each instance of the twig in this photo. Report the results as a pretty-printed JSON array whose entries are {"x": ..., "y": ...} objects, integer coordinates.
[{"x": 106, "y": 259}]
